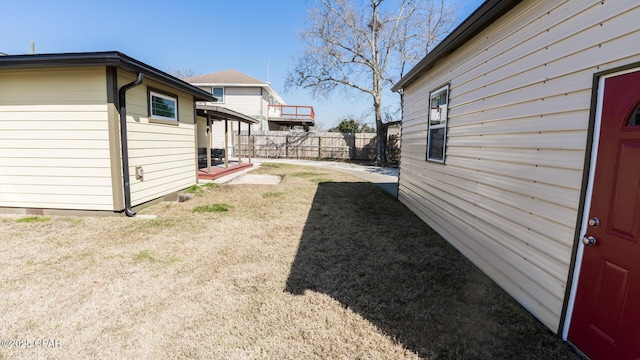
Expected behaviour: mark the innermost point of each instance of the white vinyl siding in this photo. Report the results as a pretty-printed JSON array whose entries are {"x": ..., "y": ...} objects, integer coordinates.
[
  {"x": 217, "y": 135},
  {"x": 519, "y": 102},
  {"x": 202, "y": 132},
  {"x": 166, "y": 152},
  {"x": 243, "y": 100},
  {"x": 54, "y": 139}
]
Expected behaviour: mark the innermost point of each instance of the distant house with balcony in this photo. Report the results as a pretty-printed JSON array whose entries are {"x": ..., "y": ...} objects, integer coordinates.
[{"x": 247, "y": 95}]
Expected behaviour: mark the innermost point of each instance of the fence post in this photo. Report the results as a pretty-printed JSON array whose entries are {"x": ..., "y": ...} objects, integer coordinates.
[
  {"x": 249, "y": 148},
  {"x": 253, "y": 146},
  {"x": 319, "y": 147},
  {"x": 286, "y": 146}
]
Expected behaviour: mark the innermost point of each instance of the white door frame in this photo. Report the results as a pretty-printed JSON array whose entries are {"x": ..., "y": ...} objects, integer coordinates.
[{"x": 587, "y": 201}]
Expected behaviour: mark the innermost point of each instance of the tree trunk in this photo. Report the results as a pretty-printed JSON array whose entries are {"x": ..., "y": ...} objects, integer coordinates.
[
  {"x": 381, "y": 136},
  {"x": 381, "y": 143}
]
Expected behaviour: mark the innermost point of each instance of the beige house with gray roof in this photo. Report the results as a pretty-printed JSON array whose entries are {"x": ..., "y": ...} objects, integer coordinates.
[{"x": 255, "y": 98}]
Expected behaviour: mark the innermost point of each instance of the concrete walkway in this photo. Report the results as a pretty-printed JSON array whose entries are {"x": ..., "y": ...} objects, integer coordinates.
[{"x": 386, "y": 178}]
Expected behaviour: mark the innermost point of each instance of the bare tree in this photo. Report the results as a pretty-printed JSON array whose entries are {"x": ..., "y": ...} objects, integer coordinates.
[
  {"x": 181, "y": 73},
  {"x": 363, "y": 46}
]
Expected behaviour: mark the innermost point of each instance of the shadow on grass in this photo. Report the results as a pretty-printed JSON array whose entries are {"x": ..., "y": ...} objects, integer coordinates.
[{"x": 369, "y": 252}]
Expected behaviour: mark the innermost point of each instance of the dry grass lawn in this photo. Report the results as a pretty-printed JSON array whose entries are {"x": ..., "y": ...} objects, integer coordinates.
[{"x": 321, "y": 266}]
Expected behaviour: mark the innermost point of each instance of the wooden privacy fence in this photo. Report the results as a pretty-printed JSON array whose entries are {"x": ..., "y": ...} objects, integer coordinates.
[{"x": 315, "y": 145}]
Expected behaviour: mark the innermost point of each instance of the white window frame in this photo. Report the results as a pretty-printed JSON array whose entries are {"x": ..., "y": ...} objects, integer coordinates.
[
  {"x": 224, "y": 93},
  {"x": 166, "y": 97},
  {"x": 442, "y": 112}
]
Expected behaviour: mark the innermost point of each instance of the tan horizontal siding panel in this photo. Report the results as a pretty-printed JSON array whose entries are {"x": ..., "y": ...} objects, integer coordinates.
[
  {"x": 68, "y": 86},
  {"x": 46, "y": 135},
  {"x": 158, "y": 189},
  {"x": 586, "y": 61},
  {"x": 163, "y": 179},
  {"x": 159, "y": 160},
  {"x": 418, "y": 142},
  {"x": 567, "y": 178},
  {"x": 55, "y": 79},
  {"x": 410, "y": 126},
  {"x": 554, "y": 41},
  {"x": 144, "y": 136},
  {"x": 414, "y": 153},
  {"x": 179, "y": 146},
  {"x": 47, "y": 116},
  {"x": 474, "y": 113},
  {"x": 552, "y": 158},
  {"x": 160, "y": 169},
  {"x": 64, "y": 96},
  {"x": 52, "y": 201},
  {"x": 150, "y": 153},
  {"x": 57, "y": 189},
  {"x": 554, "y": 122},
  {"x": 160, "y": 130},
  {"x": 37, "y": 110},
  {"x": 560, "y": 219},
  {"x": 534, "y": 198},
  {"x": 76, "y": 144},
  {"x": 553, "y": 194},
  {"x": 29, "y": 125},
  {"x": 88, "y": 181},
  {"x": 37, "y": 153},
  {"x": 45, "y": 170},
  {"x": 541, "y": 93},
  {"x": 35, "y": 159},
  {"x": 564, "y": 140}
]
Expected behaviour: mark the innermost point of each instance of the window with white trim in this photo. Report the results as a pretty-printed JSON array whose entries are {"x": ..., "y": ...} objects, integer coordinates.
[
  {"x": 163, "y": 106},
  {"x": 218, "y": 93},
  {"x": 437, "y": 138}
]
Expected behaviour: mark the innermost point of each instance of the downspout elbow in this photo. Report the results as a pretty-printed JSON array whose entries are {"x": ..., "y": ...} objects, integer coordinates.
[{"x": 123, "y": 143}]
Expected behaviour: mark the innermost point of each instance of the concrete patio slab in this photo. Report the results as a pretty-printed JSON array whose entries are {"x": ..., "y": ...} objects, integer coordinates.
[{"x": 256, "y": 179}]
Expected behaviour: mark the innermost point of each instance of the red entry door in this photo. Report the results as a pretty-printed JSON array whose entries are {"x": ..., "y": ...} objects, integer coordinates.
[{"x": 606, "y": 317}]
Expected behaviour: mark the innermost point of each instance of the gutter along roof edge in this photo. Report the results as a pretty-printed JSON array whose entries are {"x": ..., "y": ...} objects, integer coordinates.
[{"x": 108, "y": 58}]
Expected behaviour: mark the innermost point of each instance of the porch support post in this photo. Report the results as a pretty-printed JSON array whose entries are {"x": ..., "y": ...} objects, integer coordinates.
[
  {"x": 209, "y": 130},
  {"x": 226, "y": 143},
  {"x": 249, "y": 147},
  {"x": 239, "y": 144}
]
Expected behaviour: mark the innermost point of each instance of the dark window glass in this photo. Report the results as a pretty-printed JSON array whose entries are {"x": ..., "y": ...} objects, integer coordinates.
[
  {"x": 635, "y": 117},
  {"x": 163, "y": 107},
  {"x": 436, "y": 147},
  {"x": 218, "y": 93}
]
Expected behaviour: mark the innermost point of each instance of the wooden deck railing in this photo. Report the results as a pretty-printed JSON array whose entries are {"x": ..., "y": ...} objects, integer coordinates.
[{"x": 298, "y": 112}]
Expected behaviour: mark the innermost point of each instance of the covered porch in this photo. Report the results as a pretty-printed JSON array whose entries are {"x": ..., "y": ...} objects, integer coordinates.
[{"x": 208, "y": 157}]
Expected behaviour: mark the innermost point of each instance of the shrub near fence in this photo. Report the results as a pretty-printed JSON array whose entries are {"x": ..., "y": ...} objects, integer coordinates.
[{"x": 316, "y": 145}]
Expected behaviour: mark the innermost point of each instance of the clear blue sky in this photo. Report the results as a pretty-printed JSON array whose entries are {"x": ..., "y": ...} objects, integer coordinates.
[{"x": 258, "y": 38}]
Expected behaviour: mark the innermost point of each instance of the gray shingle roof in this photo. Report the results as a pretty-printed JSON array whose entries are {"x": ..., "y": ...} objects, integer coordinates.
[{"x": 224, "y": 77}]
